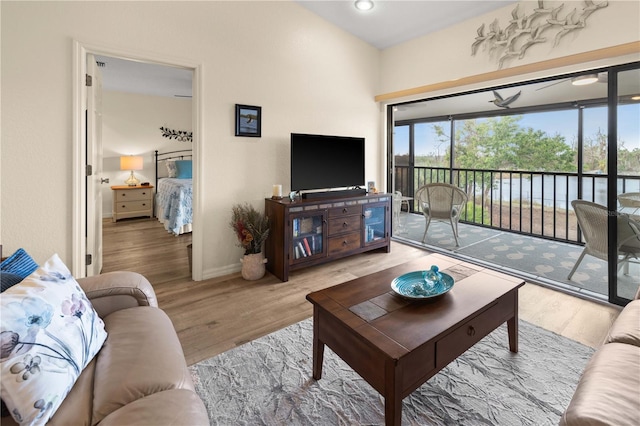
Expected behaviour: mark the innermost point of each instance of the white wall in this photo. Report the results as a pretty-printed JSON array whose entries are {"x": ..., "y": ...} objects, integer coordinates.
[
  {"x": 131, "y": 126},
  {"x": 446, "y": 55},
  {"x": 307, "y": 75}
]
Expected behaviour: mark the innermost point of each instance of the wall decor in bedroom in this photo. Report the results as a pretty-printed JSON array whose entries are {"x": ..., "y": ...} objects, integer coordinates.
[
  {"x": 179, "y": 135},
  {"x": 248, "y": 120}
]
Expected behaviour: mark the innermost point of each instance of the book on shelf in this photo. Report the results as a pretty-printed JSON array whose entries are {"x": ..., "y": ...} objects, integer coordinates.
[
  {"x": 306, "y": 246},
  {"x": 296, "y": 252},
  {"x": 304, "y": 253}
]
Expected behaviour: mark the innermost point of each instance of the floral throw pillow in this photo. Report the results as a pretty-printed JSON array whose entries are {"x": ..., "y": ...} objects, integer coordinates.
[
  {"x": 171, "y": 168},
  {"x": 49, "y": 332}
]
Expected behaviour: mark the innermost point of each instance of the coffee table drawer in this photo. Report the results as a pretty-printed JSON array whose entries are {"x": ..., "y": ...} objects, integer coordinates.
[
  {"x": 469, "y": 333},
  {"x": 344, "y": 243}
]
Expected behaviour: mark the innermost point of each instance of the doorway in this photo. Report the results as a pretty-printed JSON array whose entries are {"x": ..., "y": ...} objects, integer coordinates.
[
  {"x": 82, "y": 249},
  {"x": 139, "y": 100}
]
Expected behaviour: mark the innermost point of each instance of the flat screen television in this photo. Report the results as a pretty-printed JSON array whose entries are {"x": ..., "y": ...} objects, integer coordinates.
[{"x": 326, "y": 162}]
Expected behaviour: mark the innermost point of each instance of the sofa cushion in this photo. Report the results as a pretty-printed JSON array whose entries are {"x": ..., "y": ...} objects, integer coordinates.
[
  {"x": 49, "y": 333},
  {"x": 171, "y": 407},
  {"x": 626, "y": 328},
  {"x": 607, "y": 393},
  {"x": 142, "y": 356}
]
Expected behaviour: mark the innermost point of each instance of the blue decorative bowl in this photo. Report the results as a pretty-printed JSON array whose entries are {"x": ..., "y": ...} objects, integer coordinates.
[{"x": 413, "y": 286}]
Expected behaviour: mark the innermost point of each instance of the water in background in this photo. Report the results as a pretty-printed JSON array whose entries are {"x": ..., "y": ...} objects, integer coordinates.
[{"x": 550, "y": 190}]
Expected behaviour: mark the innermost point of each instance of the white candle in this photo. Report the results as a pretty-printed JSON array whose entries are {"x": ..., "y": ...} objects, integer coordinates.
[{"x": 277, "y": 191}]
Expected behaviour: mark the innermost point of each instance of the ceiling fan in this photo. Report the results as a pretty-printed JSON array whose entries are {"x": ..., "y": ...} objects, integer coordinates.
[{"x": 581, "y": 80}]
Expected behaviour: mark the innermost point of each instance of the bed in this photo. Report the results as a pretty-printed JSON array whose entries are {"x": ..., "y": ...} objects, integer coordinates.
[{"x": 174, "y": 191}]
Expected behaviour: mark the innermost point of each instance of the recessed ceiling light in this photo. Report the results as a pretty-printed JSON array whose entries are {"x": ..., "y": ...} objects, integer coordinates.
[
  {"x": 583, "y": 80},
  {"x": 364, "y": 4},
  {"x": 635, "y": 98}
]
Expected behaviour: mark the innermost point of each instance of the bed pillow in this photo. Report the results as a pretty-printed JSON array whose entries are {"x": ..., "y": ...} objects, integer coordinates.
[
  {"x": 49, "y": 332},
  {"x": 19, "y": 263},
  {"x": 184, "y": 169},
  {"x": 171, "y": 168}
]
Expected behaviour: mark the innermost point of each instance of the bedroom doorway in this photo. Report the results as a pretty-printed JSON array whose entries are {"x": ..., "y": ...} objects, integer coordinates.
[
  {"x": 85, "y": 245},
  {"x": 146, "y": 109}
]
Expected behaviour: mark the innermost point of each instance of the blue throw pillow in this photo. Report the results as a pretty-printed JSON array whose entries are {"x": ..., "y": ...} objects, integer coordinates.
[
  {"x": 184, "y": 169},
  {"x": 8, "y": 280},
  {"x": 19, "y": 263}
]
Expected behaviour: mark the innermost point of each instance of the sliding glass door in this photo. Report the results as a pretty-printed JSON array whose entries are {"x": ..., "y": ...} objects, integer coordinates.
[
  {"x": 624, "y": 278},
  {"x": 524, "y": 164}
]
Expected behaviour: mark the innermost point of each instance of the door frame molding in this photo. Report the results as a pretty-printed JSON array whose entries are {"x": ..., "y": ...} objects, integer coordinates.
[{"x": 78, "y": 159}]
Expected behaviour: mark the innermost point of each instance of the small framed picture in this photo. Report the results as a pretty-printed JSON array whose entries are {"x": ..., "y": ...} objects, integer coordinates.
[
  {"x": 248, "y": 120},
  {"x": 371, "y": 186}
]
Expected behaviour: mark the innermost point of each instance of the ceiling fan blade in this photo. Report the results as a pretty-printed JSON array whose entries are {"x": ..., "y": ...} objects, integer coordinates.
[{"x": 552, "y": 84}]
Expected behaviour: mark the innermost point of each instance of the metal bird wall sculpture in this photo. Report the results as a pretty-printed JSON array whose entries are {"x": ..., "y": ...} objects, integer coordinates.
[
  {"x": 524, "y": 31},
  {"x": 503, "y": 103}
]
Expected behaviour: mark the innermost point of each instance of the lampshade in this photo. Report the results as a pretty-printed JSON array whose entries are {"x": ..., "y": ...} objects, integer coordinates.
[{"x": 131, "y": 162}]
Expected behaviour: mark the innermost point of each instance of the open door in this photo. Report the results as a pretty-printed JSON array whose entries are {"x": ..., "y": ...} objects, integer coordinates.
[{"x": 94, "y": 168}]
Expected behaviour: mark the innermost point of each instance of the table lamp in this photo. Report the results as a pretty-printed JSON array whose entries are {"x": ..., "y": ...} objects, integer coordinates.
[{"x": 131, "y": 162}]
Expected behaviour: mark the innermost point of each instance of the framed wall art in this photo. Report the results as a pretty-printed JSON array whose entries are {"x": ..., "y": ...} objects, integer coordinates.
[{"x": 248, "y": 120}]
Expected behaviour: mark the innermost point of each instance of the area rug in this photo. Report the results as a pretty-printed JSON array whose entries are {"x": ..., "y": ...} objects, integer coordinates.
[{"x": 268, "y": 382}]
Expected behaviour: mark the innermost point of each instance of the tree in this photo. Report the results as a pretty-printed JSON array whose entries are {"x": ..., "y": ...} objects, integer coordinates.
[{"x": 501, "y": 144}]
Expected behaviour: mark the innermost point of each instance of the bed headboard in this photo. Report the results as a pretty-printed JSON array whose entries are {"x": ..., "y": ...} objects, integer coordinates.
[{"x": 162, "y": 157}]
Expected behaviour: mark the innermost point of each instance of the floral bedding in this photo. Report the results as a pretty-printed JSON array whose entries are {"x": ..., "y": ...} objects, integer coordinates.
[{"x": 174, "y": 204}]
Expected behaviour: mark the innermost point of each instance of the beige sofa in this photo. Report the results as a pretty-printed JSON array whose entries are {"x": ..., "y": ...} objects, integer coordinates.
[
  {"x": 609, "y": 390},
  {"x": 139, "y": 376}
]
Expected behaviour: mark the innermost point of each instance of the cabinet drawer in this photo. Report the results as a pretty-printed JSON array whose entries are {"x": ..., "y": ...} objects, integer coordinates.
[
  {"x": 132, "y": 206},
  {"x": 468, "y": 334},
  {"x": 133, "y": 194},
  {"x": 344, "y": 243},
  {"x": 345, "y": 211},
  {"x": 344, "y": 224}
]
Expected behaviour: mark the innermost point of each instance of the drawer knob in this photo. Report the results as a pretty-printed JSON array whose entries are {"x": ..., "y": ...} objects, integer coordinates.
[
  {"x": 344, "y": 243},
  {"x": 123, "y": 206},
  {"x": 471, "y": 331},
  {"x": 345, "y": 224},
  {"x": 344, "y": 210}
]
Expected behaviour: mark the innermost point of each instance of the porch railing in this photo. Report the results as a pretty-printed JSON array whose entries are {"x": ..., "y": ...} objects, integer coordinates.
[{"x": 524, "y": 202}]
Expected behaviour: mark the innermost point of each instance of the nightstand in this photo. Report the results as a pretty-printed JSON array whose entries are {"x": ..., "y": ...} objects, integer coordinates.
[{"x": 132, "y": 201}]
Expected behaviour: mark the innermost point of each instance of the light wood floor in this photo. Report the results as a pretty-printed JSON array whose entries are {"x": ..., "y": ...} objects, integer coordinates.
[{"x": 215, "y": 315}]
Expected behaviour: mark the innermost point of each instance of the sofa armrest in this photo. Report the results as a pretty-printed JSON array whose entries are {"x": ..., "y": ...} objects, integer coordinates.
[{"x": 113, "y": 291}]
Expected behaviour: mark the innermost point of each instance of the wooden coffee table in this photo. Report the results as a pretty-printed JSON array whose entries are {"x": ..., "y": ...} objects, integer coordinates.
[{"x": 396, "y": 344}]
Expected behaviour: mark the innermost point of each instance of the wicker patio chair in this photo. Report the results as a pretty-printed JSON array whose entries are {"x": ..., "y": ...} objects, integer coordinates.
[
  {"x": 442, "y": 202},
  {"x": 629, "y": 199},
  {"x": 397, "y": 207},
  {"x": 592, "y": 219}
]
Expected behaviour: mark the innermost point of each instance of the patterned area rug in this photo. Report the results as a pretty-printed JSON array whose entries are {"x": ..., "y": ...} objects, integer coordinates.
[
  {"x": 536, "y": 259},
  {"x": 268, "y": 382}
]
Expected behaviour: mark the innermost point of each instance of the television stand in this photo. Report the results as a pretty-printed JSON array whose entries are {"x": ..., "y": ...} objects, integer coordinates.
[
  {"x": 334, "y": 194},
  {"x": 308, "y": 232}
]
